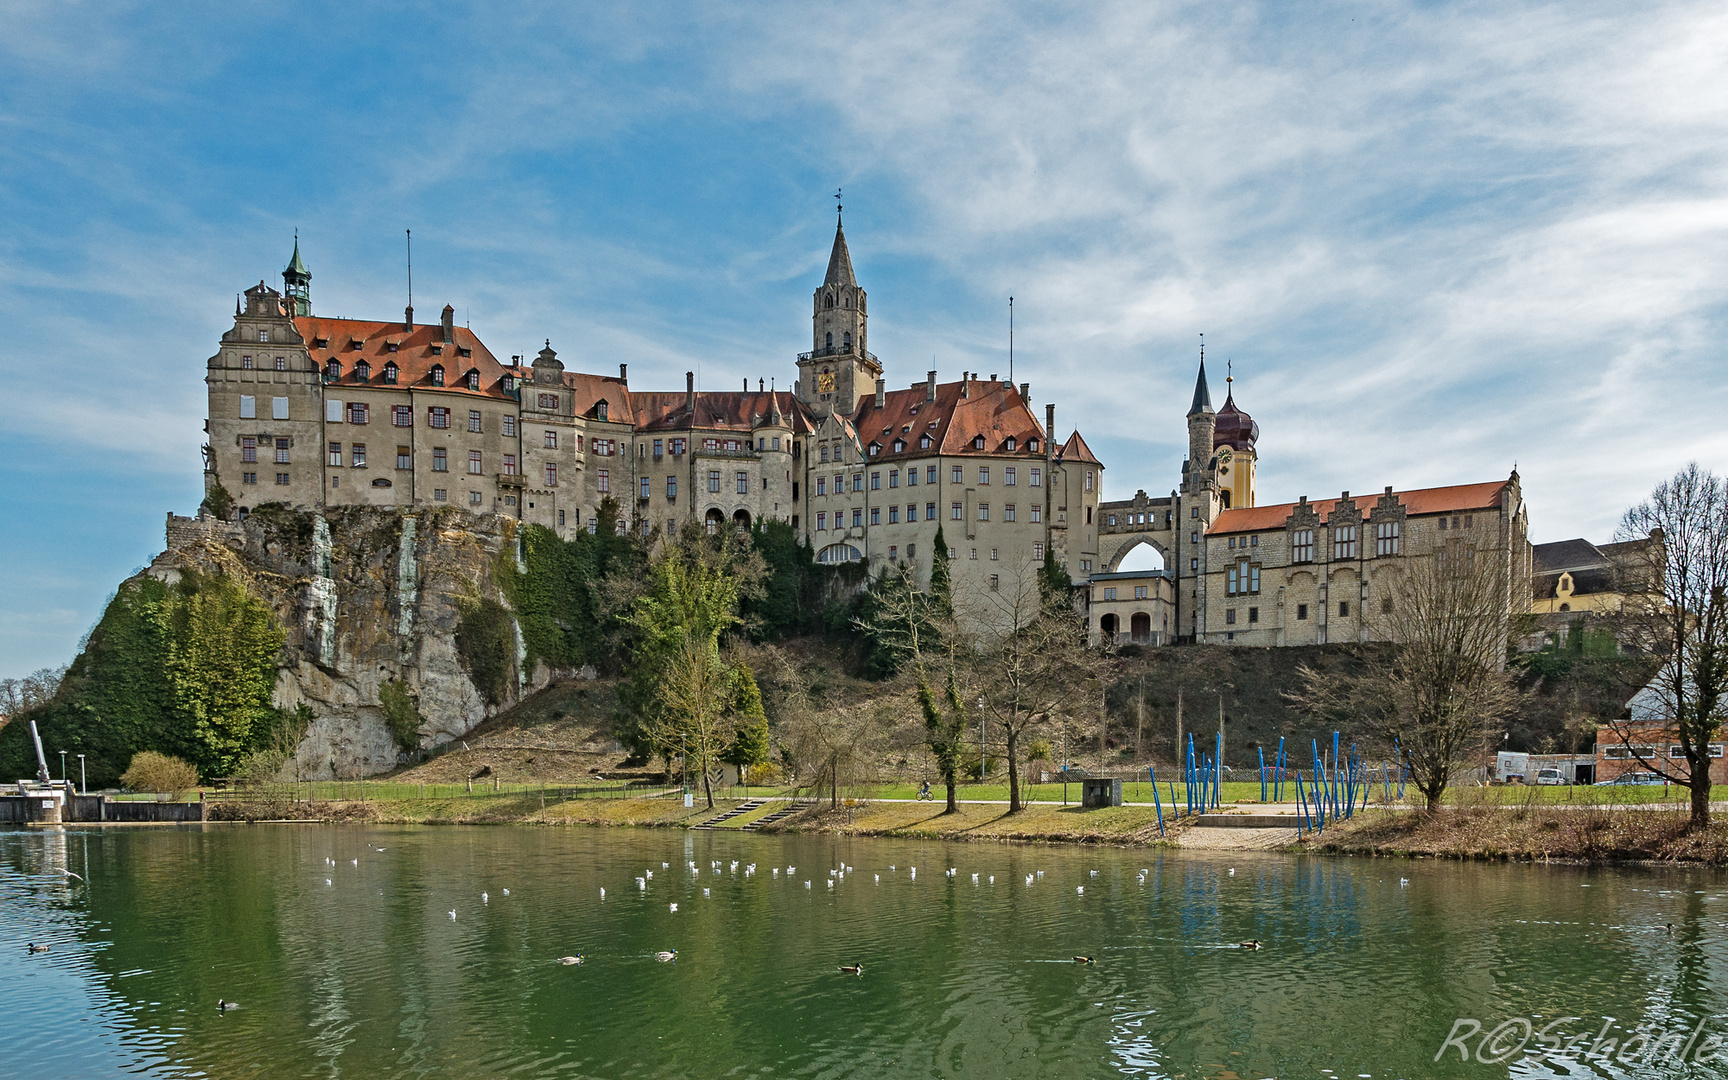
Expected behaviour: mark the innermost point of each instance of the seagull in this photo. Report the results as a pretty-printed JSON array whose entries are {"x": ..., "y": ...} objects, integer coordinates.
[
  {"x": 1232, "y": 871},
  {"x": 1403, "y": 881},
  {"x": 1255, "y": 944},
  {"x": 806, "y": 884},
  {"x": 704, "y": 892},
  {"x": 790, "y": 870},
  {"x": 1028, "y": 879},
  {"x": 666, "y": 956},
  {"x": 223, "y": 1005},
  {"x": 852, "y": 969},
  {"x": 33, "y": 947},
  {"x": 974, "y": 879},
  {"x": 602, "y": 892},
  {"x": 485, "y": 899},
  {"x": 506, "y": 892},
  {"x": 650, "y": 873},
  {"x": 776, "y": 871},
  {"x": 665, "y": 865},
  {"x": 830, "y": 883},
  {"x": 1095, "y": 873},
  {"x": 452, "y": 914},
  {"x": 1084, "y": 960},
  {"x": 1080, "y": 890},
  {"x": 356, "y": 862},
  {"x": 327, "y": 881},
  {"x": 992, "y": 879},
  {"x": 878, "y": 878},
  {"x": 568, "y": 960},
  {"x": 70, "y": 874},
  {"x": 641, "y": 884},
  {"x": 673, "y": 908}
]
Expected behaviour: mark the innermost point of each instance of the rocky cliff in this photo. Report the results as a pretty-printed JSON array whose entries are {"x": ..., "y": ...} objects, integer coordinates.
[{"x": 370, "y": 597}]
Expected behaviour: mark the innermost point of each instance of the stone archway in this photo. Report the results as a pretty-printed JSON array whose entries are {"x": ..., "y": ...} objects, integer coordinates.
[
  {"x": 1129, "y": 543},
  {"x": 1109, "y": 625},
  {"x": 712, "y": 521},
  {"x": 741, "y": 520}
]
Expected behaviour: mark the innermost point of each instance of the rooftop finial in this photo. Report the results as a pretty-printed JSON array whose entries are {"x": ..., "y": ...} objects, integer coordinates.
[
  {"x": 1229, "y": 364},
  {"x": 839, "y": 208}
]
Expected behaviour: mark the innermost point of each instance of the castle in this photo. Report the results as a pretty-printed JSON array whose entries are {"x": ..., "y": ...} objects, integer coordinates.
[{"x": 315, "y": 412}]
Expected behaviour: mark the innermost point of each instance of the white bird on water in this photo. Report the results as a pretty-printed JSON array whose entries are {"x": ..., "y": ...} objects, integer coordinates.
[
  {"x": 974, "y": 879},
  {"x": 673, "y": 908},
  {"x": 1232, "y": 871},
  {"x": 1028, "y": 879},
  {"x": 878, "y": 878},
  {"x": 452, "y": 914},
  {"x": 665, "y": 866},
  {"x": 641, "y": 884},
  {"x": 992, "y": 879},
  {"x": 326, "y": 881},
  {"x": 776, "y": 871},
  {"x": 506, "y": 892},
  {"x": 1080, "y": 890},
  {"x": 1403, "y": 881},
  {"x": 806, "y": 884},
  {"x": 1095, "y": 873},
  {"x": 830, "y": 883},
  {"x": 485, "y": 899},
  {"x": 704, "y": 892},
  {"x": 356, "y": 862}
]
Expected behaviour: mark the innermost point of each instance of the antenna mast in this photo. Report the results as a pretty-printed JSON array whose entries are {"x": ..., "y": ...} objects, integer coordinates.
[
  {"x": 410, "y": 233},
  {"x": 1010, "y": 341}
]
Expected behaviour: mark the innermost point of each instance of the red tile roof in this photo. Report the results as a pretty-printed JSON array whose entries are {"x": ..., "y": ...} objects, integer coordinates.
[
  {"x": 1075, "y": 449},
  {"x": 348, "y": 341},
  {"x": 731, "y": 411},
  {"x": 1441, "y": 500},
  {"x": 588, "y": 390},
  {"x": 993, "y": 410}
]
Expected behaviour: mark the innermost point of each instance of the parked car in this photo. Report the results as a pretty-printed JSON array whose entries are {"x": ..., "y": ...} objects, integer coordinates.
[
  {"x": 1549, "y": 778},
  {"x": 1633, "y": 779}
]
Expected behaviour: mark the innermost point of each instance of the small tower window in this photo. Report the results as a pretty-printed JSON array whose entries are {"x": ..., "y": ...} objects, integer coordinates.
[
  {"x": 828, "y": 301},
  {"x": 437, "y": 374},
  {"x": 830, "y": 342},
  {"x": 846, "y": 341}
]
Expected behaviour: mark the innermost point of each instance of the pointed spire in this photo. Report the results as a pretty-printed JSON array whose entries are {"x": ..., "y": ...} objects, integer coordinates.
[
  {"x": 295, "y": 266},
  {"x": 1202, "y": 393},
  {"x": 840, "y": 261}
]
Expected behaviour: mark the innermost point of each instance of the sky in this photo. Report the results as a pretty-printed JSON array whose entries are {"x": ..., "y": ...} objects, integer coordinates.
[{"x": 1434, "y": 241}]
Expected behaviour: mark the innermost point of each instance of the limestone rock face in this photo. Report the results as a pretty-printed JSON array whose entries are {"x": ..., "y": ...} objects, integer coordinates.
[{"x": 366, "y": 595}]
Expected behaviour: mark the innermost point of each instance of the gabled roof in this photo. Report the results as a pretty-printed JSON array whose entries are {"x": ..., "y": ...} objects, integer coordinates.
[
  {"x": 1075, "y": 449},
  {"x": 587, "y": 390},
  {"x": 1440, "y": 500},
  {"x": 716, "y": 410},
  {"x": 994, "y": 410},
  {"x": 413, "y": 356},
  {"x": 1565, "y": 555}
]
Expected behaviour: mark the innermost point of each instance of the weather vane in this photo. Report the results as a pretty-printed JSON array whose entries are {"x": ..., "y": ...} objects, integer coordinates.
[{"x": 838, "y": 207}]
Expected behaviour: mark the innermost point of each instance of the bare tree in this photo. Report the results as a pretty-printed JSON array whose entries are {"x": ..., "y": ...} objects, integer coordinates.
[
  {"x": 1674, "y": 572},
  {"x": 919, "y": 627},
  {"x": 1441, "y": 688},
  {"x": 695, "y": 721},
  {"x": 1037, "y": 669},
  {"x": 823, "y": 748},
  {"x": 33, "y": 690}
]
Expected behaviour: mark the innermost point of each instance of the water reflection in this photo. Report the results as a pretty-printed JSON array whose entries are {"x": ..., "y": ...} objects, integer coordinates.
[{"x": 346, "y": 962}]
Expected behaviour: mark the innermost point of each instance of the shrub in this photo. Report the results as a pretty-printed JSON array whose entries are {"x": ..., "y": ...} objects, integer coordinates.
[
  {"x": 151, "y": 771},
  {"x": 401, "y": 712}
]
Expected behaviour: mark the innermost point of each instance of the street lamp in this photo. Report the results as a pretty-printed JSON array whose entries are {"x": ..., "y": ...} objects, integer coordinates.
[
  {"x": 980, "y": 740},
  {"x": 82, "y": 782},
  {"x": 62, "y": 766}
]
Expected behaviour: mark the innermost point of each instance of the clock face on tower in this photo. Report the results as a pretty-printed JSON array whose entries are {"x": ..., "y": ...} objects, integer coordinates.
[{"x": 825, "y": 382}]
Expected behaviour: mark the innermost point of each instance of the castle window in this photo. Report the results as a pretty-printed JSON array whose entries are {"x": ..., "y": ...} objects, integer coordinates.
[
  {"x": 548, "y": 402},
  {"x": 672, "y": 489},
  {"x": 912, "y": 476},
  {"x": 248, "y": 407},
  {"x": 846, "y": 341},
  {"x": 875, "y": 448},
  {"x": 977, "y": 442},
  {"x": 1343, "y": 609},
  {"x": 437, "y": 374},
  {"x": 929, "y": 511},
  {"x": 1109, "y": 592},
  {"x": 677, "y": 447},
  {"x": 983, "y": 475},
  {"x": 923, "y": 442},
  {"x": 1038, "y": 551},
  {"x": 440, "y": 459},
  {"x": 551, "y": 440},
  {"x": 893, "y": 478},
  {"x": 995, "y": 581},
  {"x": 995, "y": 555},
  {"x": 1253, "y": 614},
  {"x": 278, "y": 408},
  {"x": 1301, "y": 612},
  {"x": 1386, "y": 538},
  {"x": 1008, "y": 474},
  {"x": 828, "y": 302},
  {"x": 857, "y": 519},
  {"x": 473, "y": 420},
  {"x": 1037, "y": 513},
  {"x": 1230, "y": 616},
  {"x": 1302, "y": 546},
  {"x": 875, "y": 515},
  {"x": 911, "y": 511},
  {"x": 335, "y": 455},
  {"x": 821, "y": 485},
  {"x": 1037, "y": 477},
  {"x": 263, "y": 335},
  {"x": 357, "y": 455},
  {"x": 930, "y": 475},
  {"x": 893, "y": 515},
  {"x": 332, "y": 369},
  {"x": 437, "y": 417},
  {"x": 404, "y": 458},
  {"x": 899, "y": 445},
  {"x": 509, "y": 464},
  {"x": 1010, "y": 444},
  {"x": 1032, "y": 445},
  {"x": 509, "y": 427},
  {"x": 714, "y": 481},
  {"x": 282, "y": 478},
  {"x": 474, "y": 382},
  {"x": 857, "y": 481},
  {"x": 743, "y": 479},
  {"x": 245, "y": 363},
  {"x": 551, "y": 475},
  {"x": 600, "y": 411},
  {"x": 954, "y": 512},
  {"x": 822, "y": 521},
  {"x": 824, "y": 452},
  {"x": 473, "y": 498},
  {"x": 1139, "y": 592},
  {"x": 983, "y": 511},
  {"x": 1344, "y": 542},
  {"x": 391, "y": 372},
  {"x": 509, "y": 385},
  {"x": 875, "y": 481},
  {"x": 954, "y": 475},
  {"x": 281, "y": 363},
  {"x": 248, "y": 449},
  {"x": 247, "y": 478},
  {"x": 281, "y": 451},
  {"x": 602, "y": 480},
  {"x": 474, "y": 468},
  {"x": 830, "y": 341},
  {"x": 1008, "y": 512},
  {"x": 362, "y": 371}
]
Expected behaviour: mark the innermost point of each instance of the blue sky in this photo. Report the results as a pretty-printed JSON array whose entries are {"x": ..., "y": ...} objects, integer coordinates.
[{"x": 1436, "y": 240}]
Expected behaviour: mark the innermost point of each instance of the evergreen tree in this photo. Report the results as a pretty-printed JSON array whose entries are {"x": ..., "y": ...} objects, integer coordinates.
[
  {"x": 750, "y": 745},
  {"x": 944, "y": 733},
  {"x": 941, "y": 579}
]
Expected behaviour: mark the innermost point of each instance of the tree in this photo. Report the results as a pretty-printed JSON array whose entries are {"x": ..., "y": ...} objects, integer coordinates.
[
  {"x": 750, "y": 745},
  {"x": 151, "y": 771},
  {"x": 31, "y": 692},
  {"x": 695, "y": 721},
  {"x": 945, "y": 733},
  {"x": 918, "y": 627},
  {"x": 1675, "y": 573},
  {"x": 1441, "y": 689},
  {"x": 1034, "y": 671}
]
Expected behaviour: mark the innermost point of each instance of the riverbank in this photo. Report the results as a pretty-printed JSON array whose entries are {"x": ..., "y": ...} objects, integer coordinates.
[{"x": 1526, "y": 832}]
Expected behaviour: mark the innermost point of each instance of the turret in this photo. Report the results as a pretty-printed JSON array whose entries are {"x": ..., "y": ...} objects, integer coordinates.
[
  {"x": 1202, "y": 423},
  {"x": 838, "y": 369},
  {"x": 297, "y": 283}
]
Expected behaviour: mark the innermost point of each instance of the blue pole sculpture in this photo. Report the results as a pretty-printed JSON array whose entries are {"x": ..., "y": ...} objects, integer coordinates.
[
  {"x": 1156, "y": 805},
  {"x": 1261, "y": 750}
]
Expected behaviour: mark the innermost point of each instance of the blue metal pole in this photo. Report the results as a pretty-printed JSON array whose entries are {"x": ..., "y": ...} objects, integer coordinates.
[
  {"x": 1218, "y": 772},
  {"x": 1156, "y": 805},
  {"x": 1278, "y": 781},
  {"x": 1337, "y": 787},
  {"x": 1261, "y": 750}
]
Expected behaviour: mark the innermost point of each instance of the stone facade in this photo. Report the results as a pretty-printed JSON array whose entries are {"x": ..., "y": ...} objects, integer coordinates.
[
  {"x": 1296, "y": 573},
  {"x": 316, "y": 413}
]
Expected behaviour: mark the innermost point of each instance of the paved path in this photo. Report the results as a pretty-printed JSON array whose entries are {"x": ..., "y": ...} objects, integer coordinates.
[{"x": 1209, "y": 839}]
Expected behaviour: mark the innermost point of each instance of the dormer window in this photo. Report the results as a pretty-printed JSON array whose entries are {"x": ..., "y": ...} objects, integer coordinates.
[
  {"x": 362, "y": 371},
  {"x": 899, "y": 445},
  {"x": 978, "y": 442},
  {"x": 1010, "y": 443},
  {"x": 600, "y": 410},
  {"x": 474, "y": 380},
  {"x": 356, "y": 343},
  {"x": 391, "y": 345},
  {"x": 437, "y": 374},
  {"x": 509, "y": 384},
  {"x": 875, "y": 448},
  {"x": 333, "y": 369},
  {"x": 924, "y": 442},
  {"x": 391, "y": 371},
  {"x": 1032, "y": 445},
  {"x": 321, "y": 343},
  {"x": 462, "y": 351},
  {"x": 437, "y": 350}
]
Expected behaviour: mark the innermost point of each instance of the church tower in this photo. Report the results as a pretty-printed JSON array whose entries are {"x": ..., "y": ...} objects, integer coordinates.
[
  {"x": 838, "y": 369},
  {"x": 1202, "y": 423},
  {"x": 297, "y": 283},
  {"x": 1234, "y": 435}
]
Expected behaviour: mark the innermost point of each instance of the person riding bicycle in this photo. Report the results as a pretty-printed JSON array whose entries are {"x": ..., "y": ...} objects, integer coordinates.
[{"x": 924, "y": 792}]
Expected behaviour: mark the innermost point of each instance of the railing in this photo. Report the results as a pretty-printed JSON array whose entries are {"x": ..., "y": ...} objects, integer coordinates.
[{"x": 837, "y": 350}]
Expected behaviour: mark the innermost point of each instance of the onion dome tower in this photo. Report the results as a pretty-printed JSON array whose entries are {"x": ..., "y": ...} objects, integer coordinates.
[{"x": 1234, "y": 434}]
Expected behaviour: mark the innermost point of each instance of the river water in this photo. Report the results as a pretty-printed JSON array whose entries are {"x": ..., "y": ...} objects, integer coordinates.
[{"x": 340, "y": 949}]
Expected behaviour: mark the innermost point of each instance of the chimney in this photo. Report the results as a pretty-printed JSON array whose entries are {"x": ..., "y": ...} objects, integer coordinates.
[
  {"x": 408, "y": 319},
  {"x": 1388, "y": 489},
  {"x": 746, "y": 384},
  {"x": 623, "y": 373},
  {"x": 1050, "y": 424},
  {"x": 761, "y": 386},
  {"x": 881, "y": 392},
  {"x": 965, "y": 384},
  {"x": 992, "y": 376},
  {"x": 690, "y": 390},
  {"x": 930, "y": 387},
  {"x": 449, "y": 324},
  {"x": 1344, "y": 497},
  {"x": 1025, "y": 391}
]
